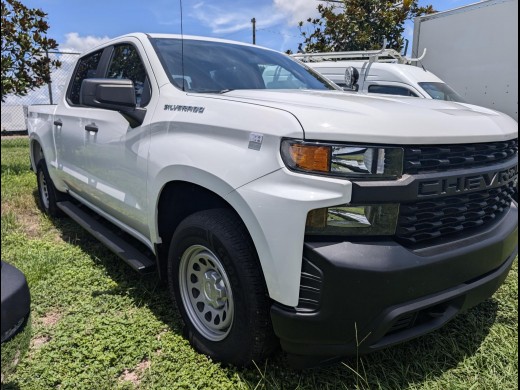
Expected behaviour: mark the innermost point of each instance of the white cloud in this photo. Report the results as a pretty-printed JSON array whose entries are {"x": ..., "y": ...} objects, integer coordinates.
[
  {"x": 76, "y": 43},
  {"x": 227, "y": 18},
  {"x": 296, "y": 10}
]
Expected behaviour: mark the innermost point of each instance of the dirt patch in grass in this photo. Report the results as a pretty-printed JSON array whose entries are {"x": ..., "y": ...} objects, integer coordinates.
[
  {"x": 50, "y": 319},
  {"x": 38, "y": 342},
  {"x": 163, "y": 332},
  {"x": 134, "y": 376},
  {"x": 29, "y": 219},
  {"x": 26, "y": 214},
  {"x": 30, "y": 222}
]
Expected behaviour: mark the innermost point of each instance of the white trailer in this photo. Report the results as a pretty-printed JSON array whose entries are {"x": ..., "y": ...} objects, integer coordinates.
[{"x": 475, "y": 50}]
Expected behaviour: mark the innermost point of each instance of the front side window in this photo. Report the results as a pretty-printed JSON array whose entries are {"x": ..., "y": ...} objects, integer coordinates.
[
  {"x": 441, "y": 91},
  {"x": 86, "y": 69},
  {"x": 391, "y": 90},
  {"x": 126, "y": 64},
  {"x": 213, "y": 67}
]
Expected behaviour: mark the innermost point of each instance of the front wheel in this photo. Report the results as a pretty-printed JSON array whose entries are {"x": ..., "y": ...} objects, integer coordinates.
[{"x": 215, "y": 277}]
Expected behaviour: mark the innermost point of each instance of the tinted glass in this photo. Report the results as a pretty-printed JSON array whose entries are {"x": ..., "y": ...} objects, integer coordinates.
[
  {"x": 126, "y": 64},
  {"x": 214, "y": 67},
  {"x": 391, "y": 90},
  {"x": 86, "y": 69},
  {"x": 442, "y": 91}
]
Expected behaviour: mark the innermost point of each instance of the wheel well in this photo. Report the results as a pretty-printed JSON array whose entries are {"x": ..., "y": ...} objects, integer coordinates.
[
  {"x": 37, "y": 152},
  {"x": 177, "y": 201}
]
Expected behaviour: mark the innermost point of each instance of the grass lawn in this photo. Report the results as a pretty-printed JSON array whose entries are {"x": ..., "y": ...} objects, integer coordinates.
[{"x": 98, "y": 325}]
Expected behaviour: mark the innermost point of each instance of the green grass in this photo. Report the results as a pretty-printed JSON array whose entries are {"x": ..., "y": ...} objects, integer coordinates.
[{"x": 98, "y": 325}]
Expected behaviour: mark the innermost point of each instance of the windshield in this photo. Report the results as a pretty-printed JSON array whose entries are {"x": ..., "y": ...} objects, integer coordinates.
[
  {"x": 216, "y": 67},
  {"x": 442, "y": 91}
]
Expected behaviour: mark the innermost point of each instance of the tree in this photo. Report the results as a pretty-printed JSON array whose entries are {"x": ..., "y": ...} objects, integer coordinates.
[
  {"x": 25, "y": 65},
  {"x": 360, "y": 24}
]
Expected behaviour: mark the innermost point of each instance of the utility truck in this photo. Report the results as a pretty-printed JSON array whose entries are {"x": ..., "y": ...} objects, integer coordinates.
[
  {"x": 384, "y": 71},
  {"x": 295, "y": 215},
  {"x": 475, "y": 50}
]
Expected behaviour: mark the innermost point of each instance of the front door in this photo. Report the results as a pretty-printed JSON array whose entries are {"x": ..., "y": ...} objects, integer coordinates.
[{"x": 104, "y": 159}]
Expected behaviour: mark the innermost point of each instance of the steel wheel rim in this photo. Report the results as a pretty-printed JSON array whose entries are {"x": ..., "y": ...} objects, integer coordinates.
[
  {"x": 44, "y": 190},
  {"x": 206, "y": 292}
]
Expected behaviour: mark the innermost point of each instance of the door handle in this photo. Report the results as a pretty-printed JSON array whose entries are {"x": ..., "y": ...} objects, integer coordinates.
[
  {"x": 58, "y": 122},
  {"x": 93, "y": 128}
]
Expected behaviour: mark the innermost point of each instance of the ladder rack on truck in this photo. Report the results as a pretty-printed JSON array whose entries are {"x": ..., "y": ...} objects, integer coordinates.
[{"x": 372, "y": 55}]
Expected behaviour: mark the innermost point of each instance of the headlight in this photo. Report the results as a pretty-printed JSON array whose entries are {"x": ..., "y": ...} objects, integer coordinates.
[
  {"x": 348, "y": 161},
  {"x": 348, "y": 220}
]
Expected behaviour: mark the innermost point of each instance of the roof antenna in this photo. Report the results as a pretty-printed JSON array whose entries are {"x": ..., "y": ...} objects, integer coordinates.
[{"x": 182, "y": 51}]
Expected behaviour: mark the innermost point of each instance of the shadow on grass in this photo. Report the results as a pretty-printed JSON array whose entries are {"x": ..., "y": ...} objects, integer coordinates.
[
  {"x": 10, "y": 386},
  {"x": 414, "y": 362},
  {"x": 142, "y": 289}
]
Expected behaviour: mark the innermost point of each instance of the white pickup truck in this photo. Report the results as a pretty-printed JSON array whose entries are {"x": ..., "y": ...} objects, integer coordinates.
[{"x": 306, "y": 217}]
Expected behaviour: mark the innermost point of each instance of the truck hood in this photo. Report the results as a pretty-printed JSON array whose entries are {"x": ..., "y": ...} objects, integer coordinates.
[{"x": 340, "y": 116}]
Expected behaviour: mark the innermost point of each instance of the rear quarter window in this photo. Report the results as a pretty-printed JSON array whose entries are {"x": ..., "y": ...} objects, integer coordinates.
[{"x": 391, "y": 90}]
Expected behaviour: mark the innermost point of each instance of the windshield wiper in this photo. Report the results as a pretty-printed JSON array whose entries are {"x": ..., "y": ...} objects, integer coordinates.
[{"x": 218, "y": 91}]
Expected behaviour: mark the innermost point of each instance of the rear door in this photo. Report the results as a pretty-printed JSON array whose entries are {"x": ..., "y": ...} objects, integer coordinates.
[{"x": 69, "y": 117}]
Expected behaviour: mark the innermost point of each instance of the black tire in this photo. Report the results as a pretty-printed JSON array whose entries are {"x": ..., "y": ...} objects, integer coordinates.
[
  {"x": 217, "y": 241},
  {"x": 48, "y": 195}
]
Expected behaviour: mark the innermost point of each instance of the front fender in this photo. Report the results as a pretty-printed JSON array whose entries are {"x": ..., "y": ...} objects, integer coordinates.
[
  {"x": 186, "y": 174},
  {"x": 274, "y": 209}
]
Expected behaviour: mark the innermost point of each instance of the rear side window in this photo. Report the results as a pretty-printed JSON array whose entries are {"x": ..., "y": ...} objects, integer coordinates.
[
  {"x": 86, "y": 69},
  {"x": 391, "y": 90},
  {"x": 277, "y": 77},
  {"x": 126, "y": 64}
]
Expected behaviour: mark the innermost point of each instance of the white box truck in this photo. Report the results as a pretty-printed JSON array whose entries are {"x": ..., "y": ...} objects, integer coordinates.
[{"x": 475, "y": 50}]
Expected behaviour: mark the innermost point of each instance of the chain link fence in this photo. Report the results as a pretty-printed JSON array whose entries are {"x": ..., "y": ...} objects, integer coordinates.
[{"x": 14, "y": 108}]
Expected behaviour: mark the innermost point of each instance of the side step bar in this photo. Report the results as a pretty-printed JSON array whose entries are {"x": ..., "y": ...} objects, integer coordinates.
[{"x": 134, "y": 258}]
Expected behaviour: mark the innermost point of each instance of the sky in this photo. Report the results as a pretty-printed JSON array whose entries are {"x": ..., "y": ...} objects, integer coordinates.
[{"x": 80, "y": 25}]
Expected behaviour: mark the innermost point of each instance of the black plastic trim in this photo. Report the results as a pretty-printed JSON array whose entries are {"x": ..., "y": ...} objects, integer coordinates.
[
  {"x": 384, "y": 294},
  {"x": 408, "y": 189},
  {"x": 130, "y": 254}
]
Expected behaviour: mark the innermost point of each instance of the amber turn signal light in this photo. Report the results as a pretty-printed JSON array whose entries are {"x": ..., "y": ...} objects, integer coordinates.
[{"x": 310, "y": 157}]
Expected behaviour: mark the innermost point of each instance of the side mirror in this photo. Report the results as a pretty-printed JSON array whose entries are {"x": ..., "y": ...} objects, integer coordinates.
[{"x": 112, "y": 94}]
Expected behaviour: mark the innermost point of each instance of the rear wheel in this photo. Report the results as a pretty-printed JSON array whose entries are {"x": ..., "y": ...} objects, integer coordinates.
[
  {"x": 215, "y": 277},
  {"x": 48, "y": 195}
]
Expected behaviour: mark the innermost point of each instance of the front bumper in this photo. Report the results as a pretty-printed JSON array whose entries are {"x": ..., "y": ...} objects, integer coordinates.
[{"x": 363, "y": 296}]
